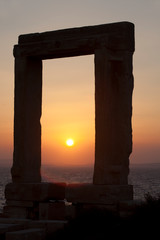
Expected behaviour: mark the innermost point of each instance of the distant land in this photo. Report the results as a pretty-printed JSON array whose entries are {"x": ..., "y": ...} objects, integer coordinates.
[
  {"x": 5, "y": 162},
  {"x": 8, "y": 163}
]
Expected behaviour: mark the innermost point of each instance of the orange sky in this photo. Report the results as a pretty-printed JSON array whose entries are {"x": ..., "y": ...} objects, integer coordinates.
[{"x": 68, "y": 84}]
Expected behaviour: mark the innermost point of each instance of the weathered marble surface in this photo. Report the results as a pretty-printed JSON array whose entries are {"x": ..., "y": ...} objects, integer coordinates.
[
  {"x": 76, "y": 41},
  {"x": 113, "y": 102},
  {"x": 27, "y": 114}
]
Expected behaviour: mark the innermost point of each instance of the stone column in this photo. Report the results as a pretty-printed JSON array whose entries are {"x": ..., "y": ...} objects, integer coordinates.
[
  {"x": 113, "y": 111},
  {"x": 27, "y": 114}
]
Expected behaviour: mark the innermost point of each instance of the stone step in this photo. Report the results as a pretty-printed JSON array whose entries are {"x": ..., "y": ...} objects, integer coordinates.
[
  {"x": 28, "y": 234},
  {"x": 50, "y": 225},
  {"x": 14, "y": 224},
  {"x": 6, "y": 227}
]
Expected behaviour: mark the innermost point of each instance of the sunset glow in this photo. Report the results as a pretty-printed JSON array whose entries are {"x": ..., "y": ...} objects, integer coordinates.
[
  {"x": 70, "y": 142},
  {"x": 68, "y": 89},
  {"x": 68, "y": 111}
]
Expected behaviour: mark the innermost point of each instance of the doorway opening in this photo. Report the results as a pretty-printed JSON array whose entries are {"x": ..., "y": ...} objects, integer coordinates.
[{"x": 68, "y": 115}]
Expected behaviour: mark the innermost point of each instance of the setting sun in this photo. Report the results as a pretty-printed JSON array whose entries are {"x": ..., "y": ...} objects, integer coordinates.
[{"x": 70, "y": 142}]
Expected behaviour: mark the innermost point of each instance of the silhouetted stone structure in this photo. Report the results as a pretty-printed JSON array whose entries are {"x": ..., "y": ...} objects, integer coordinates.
[{"x": 113, "y": 47}]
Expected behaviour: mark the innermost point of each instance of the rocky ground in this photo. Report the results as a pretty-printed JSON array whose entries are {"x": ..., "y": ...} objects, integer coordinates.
[{"x": 98, "y": 225}]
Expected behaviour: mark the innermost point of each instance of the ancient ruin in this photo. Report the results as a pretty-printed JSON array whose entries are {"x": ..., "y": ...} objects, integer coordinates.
[{"x": 113, "y": 47}]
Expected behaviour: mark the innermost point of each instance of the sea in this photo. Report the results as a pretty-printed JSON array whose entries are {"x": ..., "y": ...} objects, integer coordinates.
[{"x": 145, "y": 178}]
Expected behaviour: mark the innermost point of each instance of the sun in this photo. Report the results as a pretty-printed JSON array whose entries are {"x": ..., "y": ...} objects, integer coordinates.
[{"x": 69, "y": 142}]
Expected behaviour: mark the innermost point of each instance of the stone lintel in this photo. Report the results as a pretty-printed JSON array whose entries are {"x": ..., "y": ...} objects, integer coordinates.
[
  {"x": 86, "y": 31},
  {"x": 35, "y": 191},
  {"x": 98, "y": 194},
  {"x": 76, "y": 41}
]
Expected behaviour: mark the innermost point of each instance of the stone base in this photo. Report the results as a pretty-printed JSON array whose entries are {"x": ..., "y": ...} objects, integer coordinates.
[
  {"x": 33, "y": 201},
  {"x": 45, "y": 201},
  {"x": 98, "y": 194}
]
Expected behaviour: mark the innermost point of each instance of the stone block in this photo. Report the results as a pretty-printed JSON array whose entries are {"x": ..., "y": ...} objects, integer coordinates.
[
  {"x": 27, "y": 128},
  {"x": 35, "y": 191},
  {"x": 21, "y": 212},
  {"x": 38, "y": 234},
  {"x": 52, "y": 211},
  {"x": 98, "y": 194},
  {"x": 113, "y": 107},
  {"x": 76, "y": 41}
]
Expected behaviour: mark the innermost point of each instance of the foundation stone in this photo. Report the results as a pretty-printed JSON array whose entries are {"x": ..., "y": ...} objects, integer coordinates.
[
  {"x": 98, "y": 194},
  {"x": 35, "y": 191}
]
